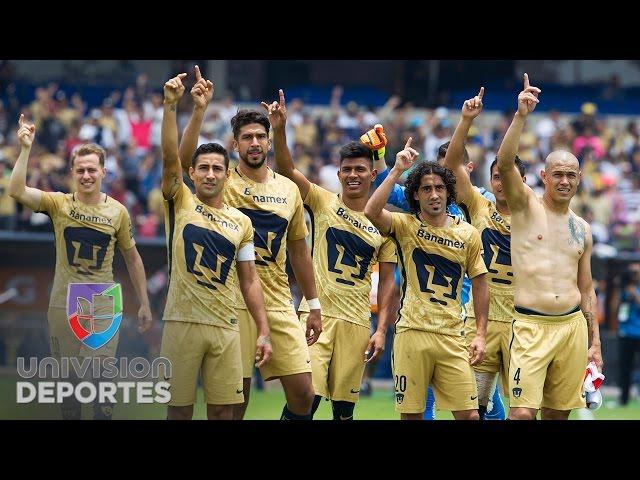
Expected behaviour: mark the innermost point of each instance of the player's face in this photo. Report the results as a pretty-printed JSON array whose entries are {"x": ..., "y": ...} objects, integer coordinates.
[
  {"x": 252, "y": 145},
  {"x": 432, "y": 195},
  {"x": 87, "y": 173},
  {"x": 209, "y": 175},
  {"x": 561, "y": 180},
  {"x": 355, "y": 176},
  {"x": 496, "y": 185}
]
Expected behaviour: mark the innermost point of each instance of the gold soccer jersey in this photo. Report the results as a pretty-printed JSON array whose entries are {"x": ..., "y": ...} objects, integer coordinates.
[
  {"x": 85, "y": 237},
  {"x": 203, "y": 245},
  {"x": 433, "y": 261},
  {"x": 495, "y": 233},
  {"x": 276, "y": 212},
  {"x": 345, "y": 246}
]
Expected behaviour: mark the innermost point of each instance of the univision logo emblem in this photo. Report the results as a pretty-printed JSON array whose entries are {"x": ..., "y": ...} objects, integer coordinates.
[{"x": 94, "y": 312}]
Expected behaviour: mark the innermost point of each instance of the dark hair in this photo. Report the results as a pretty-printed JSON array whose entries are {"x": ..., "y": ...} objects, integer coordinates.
[
  {"x": 246, "y": 117},
  {"x": 415, "y": 178},
  {"x": 210, "y": 148},
  {"x": 356, "y": 150},
  {"x": 442, "y": 151},
  {"x": 519, "y": 163}
]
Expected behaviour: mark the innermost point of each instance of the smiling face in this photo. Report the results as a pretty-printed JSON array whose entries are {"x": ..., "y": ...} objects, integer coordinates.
[
  {"x": 209, "y": 175},
  {"x": 356, "y": 175},
  {"x": 87, "y": 173},
  {"x": 252, "y": 145},
  {"x": 561, "y": 176}
]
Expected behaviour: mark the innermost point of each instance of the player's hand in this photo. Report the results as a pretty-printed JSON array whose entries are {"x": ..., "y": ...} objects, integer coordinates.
[
  {"x": 376, "y": 343},
  {"x": 174, "y": 88},
  {"x": 528, "y": 98},
  {"x": 476, "y": 350},
  {"x": 202, "y": 91},
  {"x": 277, "y": 112},
  {"x": 314, "y": 327},
  {"x": 144, "y": 318},
  {"x": 263, "y": 350},
  {"x": 375, "y": 140},
  {"x": 405, "y": 158},
  {"x": 26, "y": 132},
  {"x": 595, "y": 355},
  {"x": 472, "y": 107}
]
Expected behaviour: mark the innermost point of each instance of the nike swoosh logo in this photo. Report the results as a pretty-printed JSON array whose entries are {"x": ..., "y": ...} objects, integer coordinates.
[
  {"x": 473, "y": 398},
  {"x": 355, "y": 391},
  {"x": 308, "y": 361},
  {"x": 239, "y": 391}
]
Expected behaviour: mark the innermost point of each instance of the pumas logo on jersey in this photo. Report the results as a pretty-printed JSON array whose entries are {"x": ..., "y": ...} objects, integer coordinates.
[
  {"x": 517, "y": 392},
  {"x": 399, "y": 398}
]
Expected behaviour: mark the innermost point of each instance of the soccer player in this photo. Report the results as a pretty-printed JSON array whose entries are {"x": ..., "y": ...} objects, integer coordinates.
[
  {"x": 274, "y": 205},
  {"x": 493, "y": 221},
  {"x": 88, "y": 224},
  {"x": 376, "y": 139},
  {"x": 208, "y": 242},
  {"x": 345, "y": 247},
  {"x": 555, "y": 303},
  {"x": 434, "y": 251}
]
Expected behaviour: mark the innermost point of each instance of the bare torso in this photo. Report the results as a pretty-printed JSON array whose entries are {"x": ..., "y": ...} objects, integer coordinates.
[{"x": 546, "y": 247}]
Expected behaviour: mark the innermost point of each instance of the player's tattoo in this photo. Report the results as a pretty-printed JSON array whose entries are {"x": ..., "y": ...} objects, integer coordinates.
[
  {"x": 576, "y": 232},
  {"x": 172, "y": 107},
  {"x": 588, "y": 315}
]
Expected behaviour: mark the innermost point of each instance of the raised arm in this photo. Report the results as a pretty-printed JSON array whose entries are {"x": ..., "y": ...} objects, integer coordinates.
[
  {"x": 514, "y": 188},
  {"x": 454, "y": 159},
  {"x": 374, "y": 210},
  {"x": 252, "y": 293},
  {"x": 284, "y": 163},
  {"x": 28, "y": 196},
  {"x": 171, "y": 171},
  {"x": 201, "y": 93},
  {"x": 588, "y": 299}
]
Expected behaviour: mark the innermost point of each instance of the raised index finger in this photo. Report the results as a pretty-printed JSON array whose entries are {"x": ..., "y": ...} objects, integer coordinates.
[
  {"x": 281, "y": 93},
  {"x": 21, "y": 119},
  {"x": 408, "y": 144},
  {"x": 526, "y": 81},
  {"x": 198, "y": 74},
  {"x": 481, "y": 93}
]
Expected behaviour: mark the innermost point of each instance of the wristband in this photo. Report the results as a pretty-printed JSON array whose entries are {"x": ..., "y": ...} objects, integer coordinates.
[{"x": 314, "y": 304}]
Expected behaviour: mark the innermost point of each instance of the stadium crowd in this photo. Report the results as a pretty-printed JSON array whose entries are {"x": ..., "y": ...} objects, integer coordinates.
[{"x": 127, "y": 125}]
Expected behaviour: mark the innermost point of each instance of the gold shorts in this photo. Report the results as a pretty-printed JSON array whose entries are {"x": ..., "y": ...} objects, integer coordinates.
[
  {"x": 548, "y": 361},
  {"x": 421, "y": 359},
  {"x": 290, "y": 350},
  {"x": 192, "y": 347},
  {"x": 496, "y": 358},
  {"x": 337, "y": 358}
]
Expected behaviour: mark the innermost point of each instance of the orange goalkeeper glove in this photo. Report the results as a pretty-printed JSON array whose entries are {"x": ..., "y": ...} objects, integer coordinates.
[{"x": 376, "y": 140}]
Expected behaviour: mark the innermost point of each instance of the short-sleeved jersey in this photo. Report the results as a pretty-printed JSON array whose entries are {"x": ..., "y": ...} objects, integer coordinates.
[
  {"x": 495, "y": 233},
  {"x": 203, "y": 244},
  {"x": 277, "y": 214},
  {"x": 85, "y": 237},
  {"x": 345, "y": 247},
  {"x": 433, "y": 262}
]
